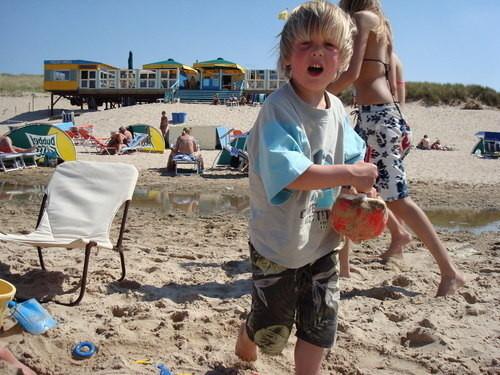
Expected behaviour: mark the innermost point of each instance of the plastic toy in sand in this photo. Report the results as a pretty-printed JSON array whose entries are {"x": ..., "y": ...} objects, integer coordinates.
[
  {"x": 84, "y": 350},
  {"x": 31, "y": 316},
  {"x": 358, "y": 217}
]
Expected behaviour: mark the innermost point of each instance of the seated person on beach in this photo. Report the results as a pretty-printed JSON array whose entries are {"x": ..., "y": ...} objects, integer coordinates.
[
  {"x": 215, "y": 99},
  {"x": 243, "y": 100},
  {"x": 438, "y": 146},
  {"x": 119, "y": 139},
  {"x": 425, "y": 143},
  {"x": 185, "y": 147},
  {"x": 7, "y": 146}
]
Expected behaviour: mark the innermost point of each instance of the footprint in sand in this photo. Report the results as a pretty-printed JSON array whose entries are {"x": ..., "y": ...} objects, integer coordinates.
[{"x": 420, "y": 337}]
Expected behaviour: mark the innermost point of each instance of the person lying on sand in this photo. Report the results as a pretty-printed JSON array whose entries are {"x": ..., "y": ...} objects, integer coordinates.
[
  {"x": 438, "y": 146},
  {"x": 7, "y": 356},
  {"x": 7, "y": 146}
]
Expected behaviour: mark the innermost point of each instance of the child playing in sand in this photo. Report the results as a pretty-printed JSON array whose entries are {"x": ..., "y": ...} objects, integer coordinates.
[
  {"x": 164, "y": 125},
  {"x": 382, "y": 126},
  {"x": 297, "y": 150}
]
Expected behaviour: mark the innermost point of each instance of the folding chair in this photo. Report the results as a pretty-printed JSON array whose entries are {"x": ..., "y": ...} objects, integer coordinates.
[
  {"x": 181, "y": 160},
  {"x": 29, "y": 159},
  {"x": 139, "y": 141},
  {"x": 11, "y": 161},
  {"x": 78, "y": 208},
  {"x": 100, "y": 144}
]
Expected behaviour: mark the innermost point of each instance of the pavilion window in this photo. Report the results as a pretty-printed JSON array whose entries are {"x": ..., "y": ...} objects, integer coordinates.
[
  {"x": 61, "y": 75},
  {"x": 88, "y": 79}
]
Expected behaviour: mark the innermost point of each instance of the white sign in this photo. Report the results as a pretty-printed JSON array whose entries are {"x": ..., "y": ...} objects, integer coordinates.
[{"x": 43, "y": 143}]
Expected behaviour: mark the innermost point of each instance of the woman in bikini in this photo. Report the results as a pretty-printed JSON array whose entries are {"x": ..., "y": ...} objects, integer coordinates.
[{"x": 382, "y": 126}]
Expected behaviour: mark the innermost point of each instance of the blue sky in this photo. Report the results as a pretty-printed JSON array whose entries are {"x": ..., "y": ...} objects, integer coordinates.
[{"x": 446, "y": 41}]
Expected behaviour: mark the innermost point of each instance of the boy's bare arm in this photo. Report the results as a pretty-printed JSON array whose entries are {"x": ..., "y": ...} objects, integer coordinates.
[{"x": 360, "y": 175}]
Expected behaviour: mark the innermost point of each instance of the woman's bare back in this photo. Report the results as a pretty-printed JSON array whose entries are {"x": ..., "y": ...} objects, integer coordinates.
[{"x": 372, "y": 86}]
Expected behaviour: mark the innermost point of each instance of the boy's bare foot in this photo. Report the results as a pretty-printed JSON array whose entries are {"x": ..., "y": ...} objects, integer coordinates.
[
  {"x": 397, "y": 245},
  {"x": 450, "y": 284},
  {"x": 245, "y": 348}
]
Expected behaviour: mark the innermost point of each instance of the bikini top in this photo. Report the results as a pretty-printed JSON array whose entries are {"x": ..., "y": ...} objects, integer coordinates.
[{"x": 387, "y": 67}]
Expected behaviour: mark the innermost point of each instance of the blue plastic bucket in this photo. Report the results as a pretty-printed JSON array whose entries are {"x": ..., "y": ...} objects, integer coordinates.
[{"x": 179, "y": 117}]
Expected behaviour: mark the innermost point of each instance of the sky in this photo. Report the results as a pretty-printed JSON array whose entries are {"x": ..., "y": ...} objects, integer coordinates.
[{"x": 443, "y": 41}]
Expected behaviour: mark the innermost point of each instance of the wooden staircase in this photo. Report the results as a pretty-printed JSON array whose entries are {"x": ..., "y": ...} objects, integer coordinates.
[{"x": 205, "y": 96}]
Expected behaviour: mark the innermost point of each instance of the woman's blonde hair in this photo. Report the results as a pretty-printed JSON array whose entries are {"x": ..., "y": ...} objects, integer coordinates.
[
  {"x": 383, "y": 30},
  {"x": 317, "y": 18}
]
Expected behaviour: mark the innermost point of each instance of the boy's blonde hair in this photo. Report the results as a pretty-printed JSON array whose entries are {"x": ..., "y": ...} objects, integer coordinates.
[
  {"x": 383, "y": 30},
  {"x": 317, "y": 18}
]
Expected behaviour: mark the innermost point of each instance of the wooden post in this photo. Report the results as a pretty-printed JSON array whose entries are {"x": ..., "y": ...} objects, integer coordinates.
[{"x": 52, "y": 104}]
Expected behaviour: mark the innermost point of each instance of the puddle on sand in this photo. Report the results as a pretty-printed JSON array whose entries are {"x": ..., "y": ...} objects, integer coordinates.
[
  {"x": 195, "y": 203},
  {"x": 200, "y": 203},
  {"x": 466, "y": 220}
]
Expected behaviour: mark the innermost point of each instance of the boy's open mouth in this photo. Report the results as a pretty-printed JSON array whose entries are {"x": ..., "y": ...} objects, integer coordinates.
[{"x": 315, "y": 69}]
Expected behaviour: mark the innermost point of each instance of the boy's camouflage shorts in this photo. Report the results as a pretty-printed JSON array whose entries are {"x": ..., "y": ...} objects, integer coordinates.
[{"x": 308, "y": 296}]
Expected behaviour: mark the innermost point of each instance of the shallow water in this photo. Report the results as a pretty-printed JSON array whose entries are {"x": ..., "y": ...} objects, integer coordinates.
[
  {"x": 194, "y": 203},
  {"x": 198, "y": 203}
]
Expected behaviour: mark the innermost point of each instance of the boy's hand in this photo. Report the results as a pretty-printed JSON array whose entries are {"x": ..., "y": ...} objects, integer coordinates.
[{"x": 363, "y": 176}]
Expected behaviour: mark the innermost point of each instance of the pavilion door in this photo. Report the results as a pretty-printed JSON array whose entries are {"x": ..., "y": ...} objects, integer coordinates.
[{"x": 226, "y": 82}]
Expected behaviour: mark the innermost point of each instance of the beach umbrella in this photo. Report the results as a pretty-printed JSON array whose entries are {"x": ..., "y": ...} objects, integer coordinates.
[
  {"x": 219, "y": 63},
  {"x": 130, "y": 60},
  {"x": 169, "y": 64}
]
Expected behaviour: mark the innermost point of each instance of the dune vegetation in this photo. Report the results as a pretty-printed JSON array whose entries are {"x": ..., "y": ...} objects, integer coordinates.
[{"x": 19, "y": 84}]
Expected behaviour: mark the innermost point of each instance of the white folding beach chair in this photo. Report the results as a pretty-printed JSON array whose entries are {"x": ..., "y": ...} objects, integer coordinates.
[
  {"x": 78, "y": 208},
  {"x": 11, "y": 161}
]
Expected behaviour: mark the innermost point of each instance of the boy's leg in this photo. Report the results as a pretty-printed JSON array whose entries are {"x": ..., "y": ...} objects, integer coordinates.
[
  {"x": 344, "y": 259},
  {"x": 271, "y": 318},
  {"x": 245, "y": 348},
  {"x": 317, "y": 311},
  {"x": 451, "y": 278}
]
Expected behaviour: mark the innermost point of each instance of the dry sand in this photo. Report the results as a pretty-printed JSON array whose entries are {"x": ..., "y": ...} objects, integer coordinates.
[{"x": 187, "y": 286}]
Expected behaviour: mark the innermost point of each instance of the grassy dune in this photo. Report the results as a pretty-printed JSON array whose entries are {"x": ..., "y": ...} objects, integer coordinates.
[{"x": 19, "y": 84}]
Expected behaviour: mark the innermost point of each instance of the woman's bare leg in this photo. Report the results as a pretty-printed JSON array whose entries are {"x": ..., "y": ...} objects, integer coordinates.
[
  {"x": 451, "y": 278},
  {"x": 399, "y": 237}
]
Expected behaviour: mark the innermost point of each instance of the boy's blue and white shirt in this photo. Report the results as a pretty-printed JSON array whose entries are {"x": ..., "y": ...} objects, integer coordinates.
[{"x": 291, "y": 227}]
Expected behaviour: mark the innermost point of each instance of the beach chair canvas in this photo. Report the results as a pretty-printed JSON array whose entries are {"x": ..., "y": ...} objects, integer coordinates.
[
  {"x": 78, "y": 208},
  {"x": 488, "y": 145}
]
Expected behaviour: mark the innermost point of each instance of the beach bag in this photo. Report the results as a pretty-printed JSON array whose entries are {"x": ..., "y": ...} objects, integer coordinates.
[{"x": 358, "y": 217}]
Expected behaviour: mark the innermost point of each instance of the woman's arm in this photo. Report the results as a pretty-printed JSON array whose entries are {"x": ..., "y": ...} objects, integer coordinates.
[
  {"x": 398, "y": 77},
  {"x": 365, "y": 22}
]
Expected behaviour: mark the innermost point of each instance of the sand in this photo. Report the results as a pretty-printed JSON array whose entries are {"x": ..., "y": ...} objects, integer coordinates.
[{"x": 188, "y": 278}]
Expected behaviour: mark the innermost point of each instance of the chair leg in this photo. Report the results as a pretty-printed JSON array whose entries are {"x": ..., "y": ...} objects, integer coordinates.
[
  {"x": 40, "y": 257},
  {"x": 83, "y": 282}
]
